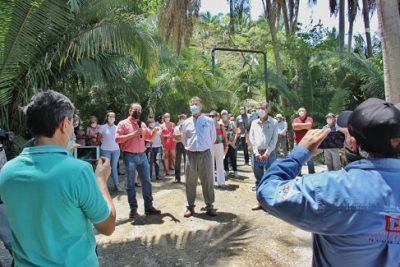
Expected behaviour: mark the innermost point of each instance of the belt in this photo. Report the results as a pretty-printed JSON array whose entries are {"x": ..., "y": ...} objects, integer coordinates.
[
  {"x": 199, "y": 152},
  {"x": 140, "y": 153}
]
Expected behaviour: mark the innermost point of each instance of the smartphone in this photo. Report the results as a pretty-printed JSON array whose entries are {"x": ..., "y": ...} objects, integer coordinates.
[
  {"x": 87, "y": 153},
  {"x": 333, "y": 140}
]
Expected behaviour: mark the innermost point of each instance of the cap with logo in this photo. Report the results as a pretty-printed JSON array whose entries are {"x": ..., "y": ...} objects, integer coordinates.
[{"x": 375, "y": 124}]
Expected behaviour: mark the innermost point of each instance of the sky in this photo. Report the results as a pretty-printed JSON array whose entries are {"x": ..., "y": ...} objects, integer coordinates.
[{"x": 321, "y": 11}]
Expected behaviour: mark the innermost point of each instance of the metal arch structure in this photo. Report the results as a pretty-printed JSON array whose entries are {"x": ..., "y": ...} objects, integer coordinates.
[{"x": 246, "y": 51}]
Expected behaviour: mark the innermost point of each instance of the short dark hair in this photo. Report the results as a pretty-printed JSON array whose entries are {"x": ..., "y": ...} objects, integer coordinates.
[{"x": 45, "y": 111}]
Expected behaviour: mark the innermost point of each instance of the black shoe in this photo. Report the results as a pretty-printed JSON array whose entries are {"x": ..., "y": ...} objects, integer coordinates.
[
  {"x": 133, "y": 213},
  {"x": 176, "y": 182},
  {"x": 152, "y": 210}
]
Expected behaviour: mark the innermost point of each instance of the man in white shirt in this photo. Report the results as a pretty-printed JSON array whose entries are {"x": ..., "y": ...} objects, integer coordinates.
[
  {"x": 198, "y": 137},
  {"x": 263, "y": 137},
  {"x": 282, "y": 129}
]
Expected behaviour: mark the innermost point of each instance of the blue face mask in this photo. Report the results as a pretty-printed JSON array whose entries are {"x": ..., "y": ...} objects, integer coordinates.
[
  {"x": 224, "y": 117},
  {"x": 194, "y": 109},
  {"x": 254, "y": 113}
]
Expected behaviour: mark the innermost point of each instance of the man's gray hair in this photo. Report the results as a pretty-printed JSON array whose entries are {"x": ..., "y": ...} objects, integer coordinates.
[
  {"x": 264, "y": 104},
  {"x": 196, "y": 98}
]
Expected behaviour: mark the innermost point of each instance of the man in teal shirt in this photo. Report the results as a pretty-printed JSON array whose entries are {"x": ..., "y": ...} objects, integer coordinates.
[{"x": 52, "y": 198}]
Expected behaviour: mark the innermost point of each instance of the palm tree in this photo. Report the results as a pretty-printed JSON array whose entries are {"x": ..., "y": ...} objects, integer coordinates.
[
  {"x": 60, "y": 45},
  {"x": 176, "y": 18},
  {"x": 388, "y": 17},
  {"x": 352, "y": 8},
  {"x": 369, "y": 6}
]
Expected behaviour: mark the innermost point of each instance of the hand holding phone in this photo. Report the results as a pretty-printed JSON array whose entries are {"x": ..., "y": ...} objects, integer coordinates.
[
  {"x": 313, "y": 139},
  {"x": 333, "y": 140}
]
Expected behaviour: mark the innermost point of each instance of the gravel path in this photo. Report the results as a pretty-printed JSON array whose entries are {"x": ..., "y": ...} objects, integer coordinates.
[{"x": 238, "y": 236}]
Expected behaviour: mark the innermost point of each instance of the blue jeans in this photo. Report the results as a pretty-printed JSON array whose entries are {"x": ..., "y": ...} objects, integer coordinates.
[
  {"x": 259, "y": 171},
  {"x": 114, "y": 157},
  {"x": 140, "y": 163},
  {"x": 310, "y": 163},
  {"x": 154, "y": 160}
]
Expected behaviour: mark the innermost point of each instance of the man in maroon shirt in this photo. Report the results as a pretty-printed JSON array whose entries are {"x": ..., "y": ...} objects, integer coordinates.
[{"x": 301, "y": 125}]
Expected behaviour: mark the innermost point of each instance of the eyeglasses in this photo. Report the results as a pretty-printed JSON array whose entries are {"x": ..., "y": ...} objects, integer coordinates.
[{"x": 212, "y": 116}]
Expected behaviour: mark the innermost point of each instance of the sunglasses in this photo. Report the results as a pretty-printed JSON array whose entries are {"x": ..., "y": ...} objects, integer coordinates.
[{"x": 212, "y": 116}]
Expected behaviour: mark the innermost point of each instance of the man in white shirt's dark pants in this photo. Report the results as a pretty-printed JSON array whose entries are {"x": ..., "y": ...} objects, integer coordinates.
[{"x": 198, "y": 137}]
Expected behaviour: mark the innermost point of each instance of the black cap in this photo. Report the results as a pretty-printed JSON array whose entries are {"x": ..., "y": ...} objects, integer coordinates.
[{"x": 375, "y": 124}]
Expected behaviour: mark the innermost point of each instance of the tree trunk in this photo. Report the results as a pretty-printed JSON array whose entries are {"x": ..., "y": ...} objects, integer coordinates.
[
  {"x": 367, "y": 27},
  {"x": 341, "y": 24},
  {"x": 350, "y": 37},
  {"x": 270, "y": 14},
  {"x": 388, "y": 18}
]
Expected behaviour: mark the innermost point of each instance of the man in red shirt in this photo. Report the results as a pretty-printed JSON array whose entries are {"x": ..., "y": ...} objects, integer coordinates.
[
  {"x": 301, "y": 125},
  {"x": 131, "y": 133}
]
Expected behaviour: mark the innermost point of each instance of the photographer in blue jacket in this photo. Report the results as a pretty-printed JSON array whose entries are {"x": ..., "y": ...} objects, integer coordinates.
[{"x": 354, "y": 213}]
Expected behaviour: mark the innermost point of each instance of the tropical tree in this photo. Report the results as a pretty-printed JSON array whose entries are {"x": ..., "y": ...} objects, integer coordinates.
[
  {"x": 388, "y": 17},
  {"x": 68, "y": 46},
  {"x": 369, "y": 7}
]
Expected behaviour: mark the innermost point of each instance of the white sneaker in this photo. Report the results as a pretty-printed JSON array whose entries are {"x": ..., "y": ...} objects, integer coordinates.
[
  {"x": 226, "y": 174},
  {"x": 236, "y": 174}
]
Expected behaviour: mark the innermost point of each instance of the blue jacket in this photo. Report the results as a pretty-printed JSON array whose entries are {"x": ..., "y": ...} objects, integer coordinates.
[{"x": 354, "y": 213}]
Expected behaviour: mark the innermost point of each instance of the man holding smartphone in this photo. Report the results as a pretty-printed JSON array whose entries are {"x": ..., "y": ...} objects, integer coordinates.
[
  {"x": 332, "y": 157},
  {"x": 53, "y": 200},
  {"x": 353, "y": 213}
]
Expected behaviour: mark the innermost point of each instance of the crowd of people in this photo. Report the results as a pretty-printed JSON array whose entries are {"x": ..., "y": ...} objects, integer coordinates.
[{"x": 72, "y": 195}]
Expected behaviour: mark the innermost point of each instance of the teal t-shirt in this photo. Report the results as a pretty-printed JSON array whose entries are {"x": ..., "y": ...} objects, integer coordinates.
[{"x": 52, "y": 201}]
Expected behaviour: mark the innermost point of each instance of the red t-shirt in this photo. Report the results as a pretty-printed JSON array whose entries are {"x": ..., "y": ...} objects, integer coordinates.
[{"x": 298, "y": 135}]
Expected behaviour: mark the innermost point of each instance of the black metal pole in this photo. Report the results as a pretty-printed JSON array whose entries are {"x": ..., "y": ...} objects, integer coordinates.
[{"x": 246, "y": 51}]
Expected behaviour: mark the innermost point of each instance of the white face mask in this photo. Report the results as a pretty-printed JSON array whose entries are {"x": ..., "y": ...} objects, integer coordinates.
[
  {"x": 194, "y": 109},
  {"x": 93, "y": 125},
  {"x": 167, "y": 119},
  {"x": 242, "y": 111},
  {"x": 329, "y": 120},
  {"x": 181, "y": 121},
  {"x": 110, "y": 120},
  {"x": 151, "y": 125},
  {"x": 261, "y": 113},
  {"x": 301, "y": 113}
]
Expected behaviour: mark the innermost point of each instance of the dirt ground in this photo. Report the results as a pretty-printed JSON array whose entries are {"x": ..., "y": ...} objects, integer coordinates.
[{"x": 238, "y": 236}]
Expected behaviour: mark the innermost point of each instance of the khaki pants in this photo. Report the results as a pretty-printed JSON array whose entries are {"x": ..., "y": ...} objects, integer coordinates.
[{"x": 200, "y": 165}]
